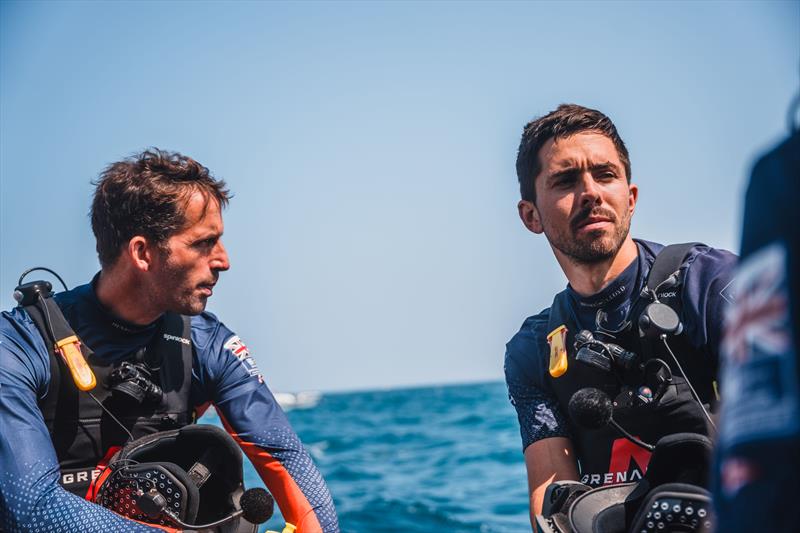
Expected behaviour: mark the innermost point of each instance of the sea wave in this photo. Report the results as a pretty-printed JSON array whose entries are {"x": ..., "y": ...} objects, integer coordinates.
[{"x": 429, "y": 459}]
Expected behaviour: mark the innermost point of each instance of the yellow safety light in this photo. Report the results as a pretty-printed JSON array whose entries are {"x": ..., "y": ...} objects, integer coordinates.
[
  {"x": 557, "y": 339},
  {"x": 70, "y": 350}
]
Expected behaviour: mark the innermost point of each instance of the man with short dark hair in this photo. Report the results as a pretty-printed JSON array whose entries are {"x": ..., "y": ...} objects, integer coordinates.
[
  {"x": 575, "y": 179},
  {"x": 159, "y": 359}
]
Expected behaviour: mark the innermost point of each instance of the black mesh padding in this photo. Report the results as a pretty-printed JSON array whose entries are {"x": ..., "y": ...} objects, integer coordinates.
[{"x": 182, "y": 448}]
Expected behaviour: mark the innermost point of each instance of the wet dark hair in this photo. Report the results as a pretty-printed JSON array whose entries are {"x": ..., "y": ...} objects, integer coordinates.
[
  {"x": 565, "y": 121},
  {"x": 146, "y": 194}
]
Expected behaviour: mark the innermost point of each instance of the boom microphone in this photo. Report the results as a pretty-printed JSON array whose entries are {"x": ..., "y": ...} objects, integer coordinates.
[
  {"x": 256, "y": 507},
  {"x": 591, "y": 408}
]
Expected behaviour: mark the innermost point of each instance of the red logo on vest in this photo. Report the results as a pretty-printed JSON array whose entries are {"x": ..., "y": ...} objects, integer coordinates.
[{"x": 628, "y": 462}]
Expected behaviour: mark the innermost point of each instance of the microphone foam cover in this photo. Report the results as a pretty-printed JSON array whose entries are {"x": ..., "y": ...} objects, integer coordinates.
[
  {"x": 590, "y": 408},
  {"x": 257, "y": 505}
]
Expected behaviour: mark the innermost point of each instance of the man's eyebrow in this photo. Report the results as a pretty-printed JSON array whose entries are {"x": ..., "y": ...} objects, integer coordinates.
[
  {"x": 604, "y": 166},
  {"x": 207, "y": 235},
  {"x": 570, "y": 167},
  {"x": 563, "y": 173}
]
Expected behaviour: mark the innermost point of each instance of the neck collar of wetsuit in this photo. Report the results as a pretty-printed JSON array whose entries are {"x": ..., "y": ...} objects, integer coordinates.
[
  {"x": 616, "y": 298},
  {"x": 118, "y": 324},
  {"x": 617, "y": 291}
]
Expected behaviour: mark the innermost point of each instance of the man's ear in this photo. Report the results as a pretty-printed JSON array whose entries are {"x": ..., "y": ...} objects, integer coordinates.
[
  {"x": 141, "y": 253},
  {"x": 529, "y": 214},
  {"x": 633, "y": 196}
]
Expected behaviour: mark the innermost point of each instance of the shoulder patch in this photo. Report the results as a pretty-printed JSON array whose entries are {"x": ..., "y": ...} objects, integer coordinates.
[
  {"x": 759, "y": 385},
  {"x": 728, "y": 292},
  {"x": 240, "y": 351},
  {"x": 759, "y": 322}
]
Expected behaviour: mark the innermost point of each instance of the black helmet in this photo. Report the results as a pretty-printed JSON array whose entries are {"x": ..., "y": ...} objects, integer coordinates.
[{"x": 193, "y": 474}]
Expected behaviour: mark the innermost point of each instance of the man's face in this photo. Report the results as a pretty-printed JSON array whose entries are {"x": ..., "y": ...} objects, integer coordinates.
[
  {"x": 583, "y": 203},
  {"x": 185, "y": 277}
]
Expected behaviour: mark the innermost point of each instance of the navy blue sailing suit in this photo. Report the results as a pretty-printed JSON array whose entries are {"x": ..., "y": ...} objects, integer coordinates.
[
  {"x": 704, "y": 295},
  {"x": 757, "y": 486},
  {"x": 223, "y": 374}
]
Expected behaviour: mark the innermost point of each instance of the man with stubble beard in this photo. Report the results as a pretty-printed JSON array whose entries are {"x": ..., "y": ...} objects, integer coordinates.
[
  {"x": 157, "y": 219},
  {"x": 575, "y": 180}
]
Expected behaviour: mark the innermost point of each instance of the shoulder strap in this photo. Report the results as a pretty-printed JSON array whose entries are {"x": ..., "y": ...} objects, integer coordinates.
[
  {"x": 174, "y": 349},
  {"x": 60, "y": 406},
  {"x": 59, "y": 335},
  {"x": 50, "y": 321},
  {"x": 668, "y": 262},
  {"x": 559, "y": 312}
]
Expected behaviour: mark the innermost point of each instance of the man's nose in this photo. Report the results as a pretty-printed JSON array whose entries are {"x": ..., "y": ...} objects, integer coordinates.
[
  {"x": 219, "y": 259},
  {"x": 589, "y": 190}
]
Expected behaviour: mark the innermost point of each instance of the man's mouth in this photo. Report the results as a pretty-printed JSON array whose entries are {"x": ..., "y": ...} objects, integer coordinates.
[
  {"x": 207, "y": 289},
  {"x": 591, "y": 221}
]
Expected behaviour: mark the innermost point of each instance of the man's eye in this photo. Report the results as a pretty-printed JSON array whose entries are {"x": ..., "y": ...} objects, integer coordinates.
[
  {"x": 607, "y": 174},
  {"x": 564, "y": 181}
]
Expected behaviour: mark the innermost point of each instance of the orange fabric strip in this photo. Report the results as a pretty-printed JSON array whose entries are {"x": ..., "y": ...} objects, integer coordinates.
[{"x": 294, "y": 506}]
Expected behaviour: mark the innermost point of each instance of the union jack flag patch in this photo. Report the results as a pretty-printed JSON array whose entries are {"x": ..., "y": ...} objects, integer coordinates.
[
  {"x": 240, "y": 351},
  {"x": 759, "y": 383}
]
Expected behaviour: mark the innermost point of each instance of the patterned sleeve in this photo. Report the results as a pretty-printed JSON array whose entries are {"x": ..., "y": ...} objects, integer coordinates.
[
  {"x": 31, "y": 498},
  {"x": 253, "y": 417},
  {"x": 538, "y": 412}
]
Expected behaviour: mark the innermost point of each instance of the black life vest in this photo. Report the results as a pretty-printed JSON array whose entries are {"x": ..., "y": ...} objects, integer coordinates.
[
  {"x": 83, "y": 434},
  {"x": 605, "y": 457}
]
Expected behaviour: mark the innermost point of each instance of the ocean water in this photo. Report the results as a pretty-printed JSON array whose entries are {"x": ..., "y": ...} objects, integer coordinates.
[{"x": 417, "y": 460}]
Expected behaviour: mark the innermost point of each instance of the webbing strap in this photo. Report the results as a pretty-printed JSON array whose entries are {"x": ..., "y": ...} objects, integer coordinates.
[{"x": 667, "y": 263}]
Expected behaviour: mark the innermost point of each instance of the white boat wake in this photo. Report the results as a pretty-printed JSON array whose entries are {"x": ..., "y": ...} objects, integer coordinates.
[{"x": 300, "y": 400}]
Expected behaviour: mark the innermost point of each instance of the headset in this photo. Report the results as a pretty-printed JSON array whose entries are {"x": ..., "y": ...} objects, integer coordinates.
[{"x": 189, "y": 477}]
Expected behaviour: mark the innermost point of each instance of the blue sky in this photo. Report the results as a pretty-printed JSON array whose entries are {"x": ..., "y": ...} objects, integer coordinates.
[{"x": 373, "y": 235}]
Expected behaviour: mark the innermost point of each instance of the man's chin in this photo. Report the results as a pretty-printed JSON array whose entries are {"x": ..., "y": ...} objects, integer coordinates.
[
  {"x": 591, "y": 249},
  {"x": 592, "y": 257},
  {"x": 191, "y": 308},
  {"x": 199, "y": 307}
]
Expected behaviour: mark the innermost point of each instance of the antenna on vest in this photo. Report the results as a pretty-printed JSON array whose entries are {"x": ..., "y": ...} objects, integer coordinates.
[
  {"x": 591, "y": 408},
  {"x": 689, "y": 383},
  {"x": 64, "y": 343},
  {"x": 37, "y": 297}
]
